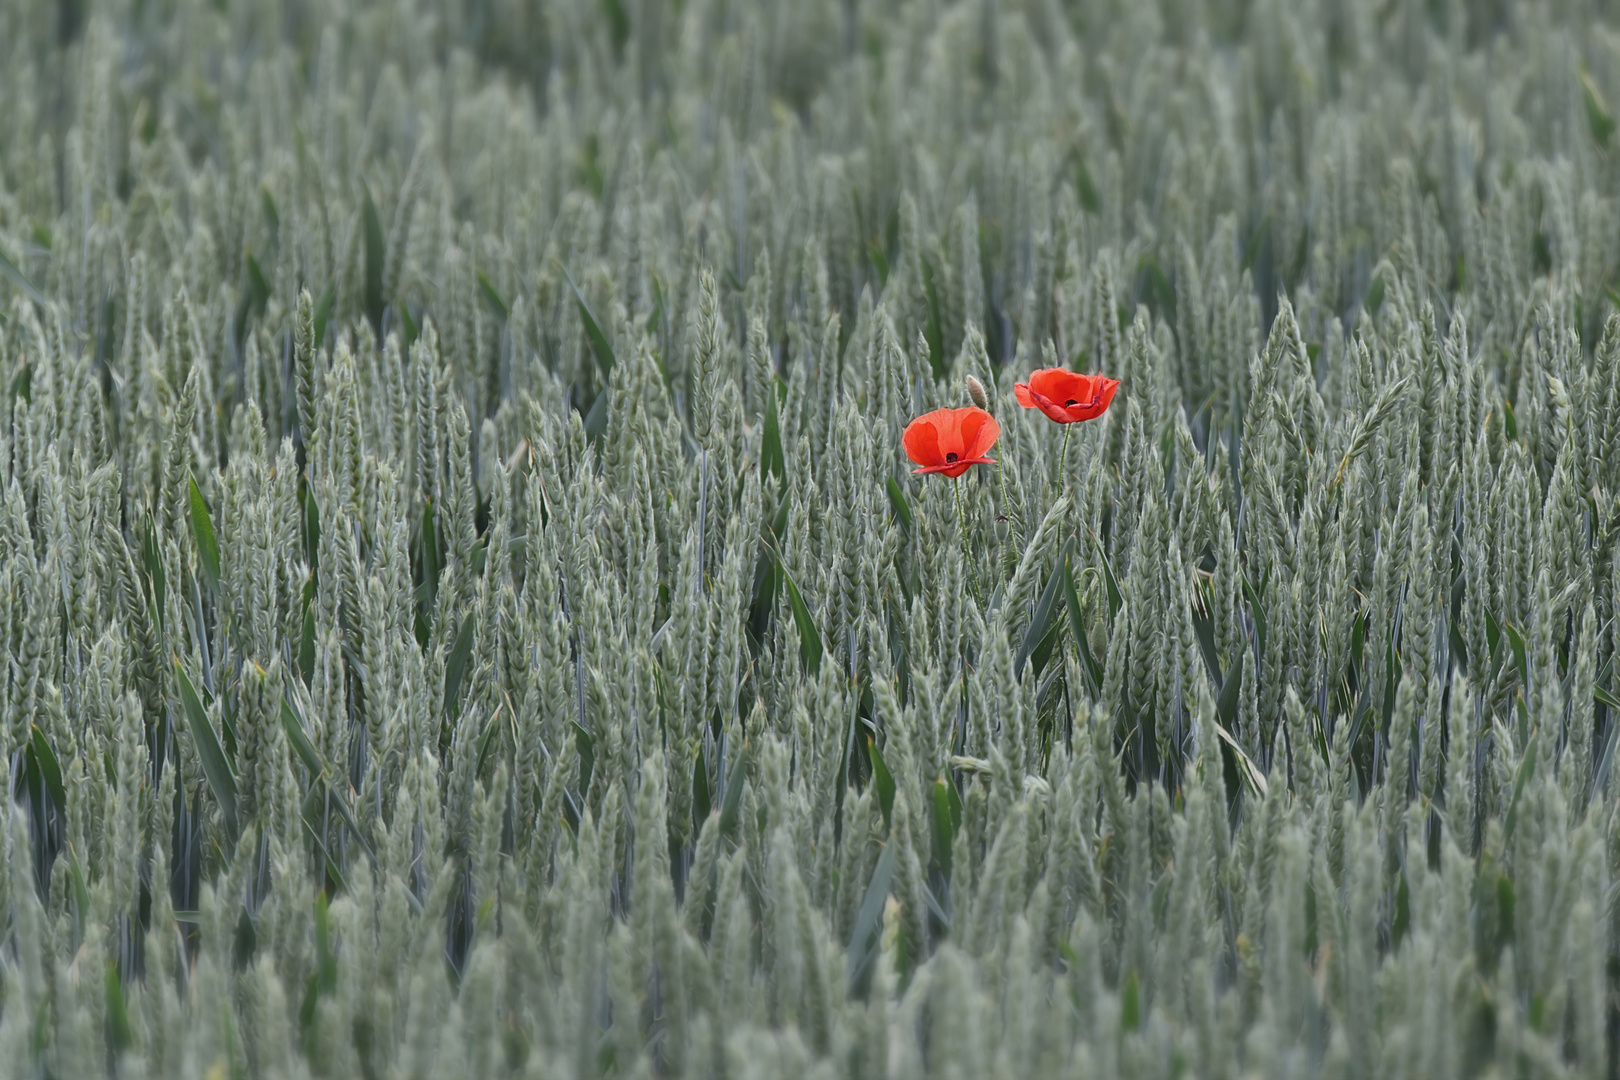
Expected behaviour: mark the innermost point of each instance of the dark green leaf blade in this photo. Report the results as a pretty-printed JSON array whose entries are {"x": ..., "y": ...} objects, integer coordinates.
[
  {"x": 374, "y": 244},
  {"x": 1092, "y": 670},
  {"x": 493, "y": 298},
  {"x": 1257, "y": 611},
  {"x": 300, "y": 741},
  {"x": 152, "y": 563},
  {"x": 50, "y": 768},
  {"x": 322, "y": 772},
  {"x": 1226, "y": 706},
  {"x": 1527, "y": 768},
  {"x": 456, "y": 667},
  {"x": 1040, "y": 622},
  {"x": 810, "y": 648},
  {"x": 306, "y": 635},
  {"x": 898, "y": 503},
  {"x": 1520, "y": 659},
  {"x": 13, "y": 273},
  {"x": 202, "y": 527},
  {"x": 944, "y": 825},
  {"x": 1116, "y": 599},
  {"x": 863, "y": 937},
  {"x": 731, "y": 804},
  {"x": 601, "y": 348},
  {"x": 323, "y": 314},
  {"x": 772, "y": 461},
  {"x": 216, "y": 768},
  {"x": 119, "y": 1031},
  {"x": 882, "y": 780},
  {"x": 701, "y": 805},
  {"x": 1598, "y": 116},
  {"x": 596, "y": 418}
]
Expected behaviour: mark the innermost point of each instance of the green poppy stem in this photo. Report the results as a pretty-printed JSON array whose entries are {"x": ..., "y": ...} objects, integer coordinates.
[
  {"x": 961, "y": 522},
  {"x": 1006, "y": 513},
  {"x": 1063, "y": 455}
]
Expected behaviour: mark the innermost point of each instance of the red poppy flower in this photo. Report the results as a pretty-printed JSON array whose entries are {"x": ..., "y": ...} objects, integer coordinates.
[
  {"x": 949, "y": 440},
  {"x": 1066, "y": 396}
]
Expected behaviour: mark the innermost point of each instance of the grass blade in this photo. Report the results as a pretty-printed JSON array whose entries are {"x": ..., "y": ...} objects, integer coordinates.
[
  {"x": 50, "y": 768},
  {"x": 323, "y": 775},
  {"x": 731, "y": 805},
  {"x": 810, "y": 648},
  {"x": 601, "y": 348},
  {"x": 215, "y": 766},
  {"x": 1041, "y": 622},
  {"x": 1090, "y": 667},
  {"x": 1252, "y": 776},
  {"x": 882, "y": 780},
  {"x": 13, "y": 273},
  {"x": 863, "y": 944},
  {"x": 375, "y": 257},
  {"x": 456, "y": 667},
  {"x": 202, "y": 527}
]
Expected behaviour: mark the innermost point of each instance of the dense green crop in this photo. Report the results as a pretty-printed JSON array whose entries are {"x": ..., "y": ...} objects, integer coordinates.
[{"x": 466, "y": 610}]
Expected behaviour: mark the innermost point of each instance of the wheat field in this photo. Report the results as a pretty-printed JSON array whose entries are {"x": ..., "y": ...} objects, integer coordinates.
[{"x": 468, "y": 608}]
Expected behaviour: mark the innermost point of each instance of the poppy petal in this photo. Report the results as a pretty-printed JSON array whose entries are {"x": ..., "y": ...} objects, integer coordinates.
[
  {"x": 1067, "y": 397},
  {"x": 968, "y": 430},
  {"x": 954, "y": 468},
  {"x": 922, "y": 442},
  {"x": 949, "y": 425},
  {"x": 949, "y": 441},
  {"x": 1110, "y": 387},
  {"x": 982, "y": 436},
  {"x": 1052, "y": 409},
  {"x": 1061, "y": 386},
  {"x": 1102, "y": 395}
]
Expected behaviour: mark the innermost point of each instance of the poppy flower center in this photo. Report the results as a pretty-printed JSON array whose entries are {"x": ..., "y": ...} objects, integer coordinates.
[
  {"x": 1071, "y": 401},
  {"x": 950, "y": 457}
]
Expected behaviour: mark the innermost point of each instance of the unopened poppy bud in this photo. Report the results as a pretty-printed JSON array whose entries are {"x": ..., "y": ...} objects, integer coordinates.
[{"x": 976, "y": 392}]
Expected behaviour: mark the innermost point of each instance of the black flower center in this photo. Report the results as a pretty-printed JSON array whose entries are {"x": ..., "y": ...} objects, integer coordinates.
[
  {"x": 1071, "y": 401},
  {"x": 950, "y": 457}
]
